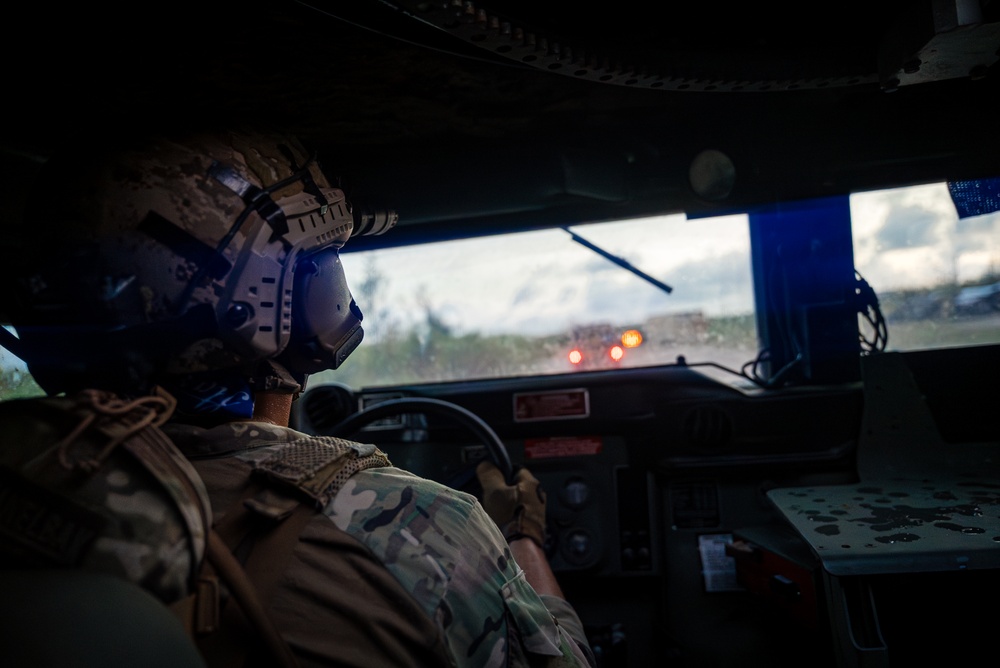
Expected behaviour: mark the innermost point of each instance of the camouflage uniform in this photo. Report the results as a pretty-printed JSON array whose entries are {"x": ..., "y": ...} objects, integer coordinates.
[
  {"x": 75, "y": 502},
  {"x": 462, "y": 587}
]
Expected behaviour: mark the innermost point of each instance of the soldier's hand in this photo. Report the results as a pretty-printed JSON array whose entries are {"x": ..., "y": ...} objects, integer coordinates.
[{"x": 518, "y": 509}]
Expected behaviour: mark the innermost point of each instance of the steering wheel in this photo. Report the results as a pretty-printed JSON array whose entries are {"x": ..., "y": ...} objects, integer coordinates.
[{"x": 497, "y": 450}]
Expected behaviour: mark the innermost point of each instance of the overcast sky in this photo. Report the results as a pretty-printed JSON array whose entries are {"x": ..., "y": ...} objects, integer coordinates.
[{"x": 912, "y": 237}]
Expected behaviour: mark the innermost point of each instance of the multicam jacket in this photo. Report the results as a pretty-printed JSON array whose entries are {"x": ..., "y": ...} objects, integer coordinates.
[{"x": 395, "y": 569}]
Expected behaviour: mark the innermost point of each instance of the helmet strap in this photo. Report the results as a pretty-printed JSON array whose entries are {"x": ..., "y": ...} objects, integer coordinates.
[{"x": 270, "y": 376}]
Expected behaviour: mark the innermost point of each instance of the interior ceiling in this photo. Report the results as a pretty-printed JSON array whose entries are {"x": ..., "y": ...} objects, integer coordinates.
[{"x": 466, "y": 117}]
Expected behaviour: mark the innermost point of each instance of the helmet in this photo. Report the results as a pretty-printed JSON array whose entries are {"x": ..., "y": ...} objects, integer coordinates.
[{"x": 178, "y": 256}]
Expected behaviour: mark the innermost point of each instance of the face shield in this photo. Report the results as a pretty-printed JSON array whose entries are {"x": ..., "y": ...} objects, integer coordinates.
[
  {"x": 286, "y": 295},
  {"x": 326, "y": 322}
]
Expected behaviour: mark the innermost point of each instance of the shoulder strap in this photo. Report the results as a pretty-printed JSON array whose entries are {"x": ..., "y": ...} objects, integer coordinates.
[{"x": 250, "y": 610}]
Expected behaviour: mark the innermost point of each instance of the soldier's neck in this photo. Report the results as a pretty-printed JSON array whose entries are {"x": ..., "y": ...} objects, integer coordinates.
[{"x": 272, "y": 407}]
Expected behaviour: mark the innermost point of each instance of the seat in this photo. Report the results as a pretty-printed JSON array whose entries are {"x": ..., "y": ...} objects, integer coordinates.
[{"x": 76, "y": 619}]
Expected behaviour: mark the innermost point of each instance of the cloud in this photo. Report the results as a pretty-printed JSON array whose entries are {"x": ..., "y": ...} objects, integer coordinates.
[
  {"x": 909, "y": 226},
  {"x": 909, "y": 238},
  {"x": 978, "y": 235}
]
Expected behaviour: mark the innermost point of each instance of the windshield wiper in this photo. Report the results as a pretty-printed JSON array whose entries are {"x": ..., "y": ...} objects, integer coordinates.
[{"x": 621, "y": 262}]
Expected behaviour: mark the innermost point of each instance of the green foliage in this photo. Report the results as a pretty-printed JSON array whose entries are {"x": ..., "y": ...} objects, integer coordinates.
[
  {"x": 17, "y": 384},
  {"x": 737, "y": 332},
  {"x": 439, "y": 356}
]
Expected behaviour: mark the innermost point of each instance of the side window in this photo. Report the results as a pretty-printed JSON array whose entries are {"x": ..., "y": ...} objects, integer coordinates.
[
  {"x": 937, "y": 276},
  {"x": 15, "y": 381}
]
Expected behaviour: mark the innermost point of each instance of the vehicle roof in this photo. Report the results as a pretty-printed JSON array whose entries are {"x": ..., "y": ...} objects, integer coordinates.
[{"x": 474, "y": 117}]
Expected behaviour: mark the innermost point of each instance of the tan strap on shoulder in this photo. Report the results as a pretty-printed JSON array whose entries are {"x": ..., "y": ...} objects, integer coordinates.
[{"x": 249, "y": 611}]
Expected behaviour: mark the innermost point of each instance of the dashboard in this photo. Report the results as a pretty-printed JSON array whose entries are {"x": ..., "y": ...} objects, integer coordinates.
[{"x": 647, "y": 471}]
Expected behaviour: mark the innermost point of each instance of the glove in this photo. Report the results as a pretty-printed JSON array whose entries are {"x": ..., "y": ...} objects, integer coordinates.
[{"x": 518, "y": 509}]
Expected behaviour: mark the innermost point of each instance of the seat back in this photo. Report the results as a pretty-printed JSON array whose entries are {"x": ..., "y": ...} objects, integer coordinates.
[{"x": 78, "y": 619}]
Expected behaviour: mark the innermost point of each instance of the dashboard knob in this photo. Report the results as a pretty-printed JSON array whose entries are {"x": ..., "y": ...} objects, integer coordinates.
[{"x": 575, "y": 493}]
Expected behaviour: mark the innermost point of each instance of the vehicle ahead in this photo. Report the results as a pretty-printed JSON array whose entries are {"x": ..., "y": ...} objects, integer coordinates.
[
  {"x": 799, "y": 463},
  {"x": 978, "y": 299}
]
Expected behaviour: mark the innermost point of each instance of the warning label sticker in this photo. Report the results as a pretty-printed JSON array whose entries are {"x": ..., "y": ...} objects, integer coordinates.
[
  {"x": 561, "y": 446},
  {"x": 556, "y": 405}
]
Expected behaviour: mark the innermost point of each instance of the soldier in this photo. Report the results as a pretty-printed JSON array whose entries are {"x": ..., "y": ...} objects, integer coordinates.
[{"x": 207, "y": 265}]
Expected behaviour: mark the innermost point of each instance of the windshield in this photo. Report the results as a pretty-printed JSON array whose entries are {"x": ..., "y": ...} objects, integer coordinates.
[{"x": 599, "y": 296}]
